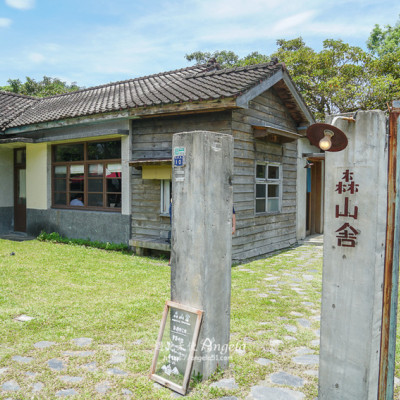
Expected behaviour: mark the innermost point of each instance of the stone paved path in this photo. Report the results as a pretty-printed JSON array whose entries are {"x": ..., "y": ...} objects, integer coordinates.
[{"x": 58, "y": 367}]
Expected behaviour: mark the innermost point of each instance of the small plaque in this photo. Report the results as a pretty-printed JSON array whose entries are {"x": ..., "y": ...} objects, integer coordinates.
[
  {"x": 175, "y": 347},
  {"x": 179, "y": 161},
  {"x": 179, "y": 156}
]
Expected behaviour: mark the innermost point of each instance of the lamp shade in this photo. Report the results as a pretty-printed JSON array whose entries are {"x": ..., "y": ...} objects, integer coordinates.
[{"x": 316, "y": 132}]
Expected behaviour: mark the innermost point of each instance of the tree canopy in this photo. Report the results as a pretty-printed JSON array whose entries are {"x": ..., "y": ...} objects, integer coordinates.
[
  {"x": 339, "y": 78},
  {"x": 46, "y": 87},
  {"x": 384, "y": 41}
]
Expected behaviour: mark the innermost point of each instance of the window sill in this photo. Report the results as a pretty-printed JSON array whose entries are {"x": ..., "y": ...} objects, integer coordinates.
[
  {"x": 262, "y": 214},
  {"x": 80, "y": 208}
]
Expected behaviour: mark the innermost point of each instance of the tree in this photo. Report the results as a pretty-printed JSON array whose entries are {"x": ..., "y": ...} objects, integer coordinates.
[
  {"x": 384, "y": 41},
  {"x": 340, "y": 78},
  {"x": 46, "y": 87},
  {"x": 225, "y": 58}
]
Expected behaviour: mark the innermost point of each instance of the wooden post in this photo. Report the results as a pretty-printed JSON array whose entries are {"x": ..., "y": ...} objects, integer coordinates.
[{"x": 390, "y": 288}]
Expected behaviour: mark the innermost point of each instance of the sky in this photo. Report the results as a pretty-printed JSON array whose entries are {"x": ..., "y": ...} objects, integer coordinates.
[{"x": 94, "y": 42}]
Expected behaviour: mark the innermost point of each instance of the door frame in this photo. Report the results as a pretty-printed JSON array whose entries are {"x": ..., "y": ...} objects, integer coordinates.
[
  {"x": 19, "y": 206},
  {"x": 315, "y": 198}
]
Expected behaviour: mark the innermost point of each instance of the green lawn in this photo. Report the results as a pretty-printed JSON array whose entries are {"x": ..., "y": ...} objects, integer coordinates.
[{"x": 117, "y": 300}]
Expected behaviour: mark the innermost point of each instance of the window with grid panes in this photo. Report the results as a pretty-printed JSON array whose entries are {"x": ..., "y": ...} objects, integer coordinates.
[
  {"x": 87, "y": 175},
  {"x": 268, "y": 188}
]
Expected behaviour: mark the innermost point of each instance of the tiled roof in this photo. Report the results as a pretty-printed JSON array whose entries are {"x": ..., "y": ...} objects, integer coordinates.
[
  {"x": 12, "y": 105},
  {"x": 195, "y": 83}
]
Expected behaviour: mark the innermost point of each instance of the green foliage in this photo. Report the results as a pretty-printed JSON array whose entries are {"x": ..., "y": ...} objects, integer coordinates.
[
  {"x": 225, "y": 58},
  {"x": 55, "y": 237},
  {"x": 46, "y": 87},
  {"x": 336, "y": 79},
  {"x": 384, "y": 41},
  {"x": 339, "y": 78},
  {"x": 197, "y": 378}
]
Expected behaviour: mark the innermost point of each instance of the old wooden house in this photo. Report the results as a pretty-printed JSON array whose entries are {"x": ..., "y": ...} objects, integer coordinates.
[{"x": 96, "y": 163}]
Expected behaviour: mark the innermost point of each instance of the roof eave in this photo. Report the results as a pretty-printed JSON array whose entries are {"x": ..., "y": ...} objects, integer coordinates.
[
  {"x": 281, "y": 75},
  {"x": 131, "y": 113}
]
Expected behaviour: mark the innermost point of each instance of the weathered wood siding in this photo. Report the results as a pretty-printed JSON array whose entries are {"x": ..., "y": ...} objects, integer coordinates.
[
  {"x": 256, "y": 234},
  {"x": 152, "y": 138},
  {"x": 260, "y": 234}
]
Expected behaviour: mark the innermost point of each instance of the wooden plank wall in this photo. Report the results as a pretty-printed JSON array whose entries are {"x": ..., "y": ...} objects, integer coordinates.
[
  {"x": 152, "y": 138},
  {"x": 260, "y": 234},
  {"x": 256, "y": 234}
]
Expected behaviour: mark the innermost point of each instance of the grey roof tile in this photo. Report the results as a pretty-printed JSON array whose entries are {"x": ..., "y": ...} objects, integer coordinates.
[
  {"x": 195, "y": 83},
  {"x": 12, "y": 105}
]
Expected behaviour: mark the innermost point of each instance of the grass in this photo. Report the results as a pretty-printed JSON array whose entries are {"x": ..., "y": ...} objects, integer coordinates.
[{"x": 117, "y": 299}]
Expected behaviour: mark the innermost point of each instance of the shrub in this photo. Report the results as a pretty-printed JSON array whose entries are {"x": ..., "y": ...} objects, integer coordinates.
[{"x": 55, "y": 237}]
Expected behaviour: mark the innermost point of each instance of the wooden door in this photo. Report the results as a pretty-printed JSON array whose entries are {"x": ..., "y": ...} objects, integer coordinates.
[
  {"x": 20, "y": 190},
  {"x": 314, "y": 211}
]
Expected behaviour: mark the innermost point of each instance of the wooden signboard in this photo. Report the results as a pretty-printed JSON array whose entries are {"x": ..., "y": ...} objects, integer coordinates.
[{"x": 176, "y": 345}]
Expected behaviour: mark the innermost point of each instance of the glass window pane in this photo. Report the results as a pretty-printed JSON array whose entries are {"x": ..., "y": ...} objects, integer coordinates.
[
  {"x": 165, "y": 196},
  {"x": 273, "y": 172},
  {"x": 104, "y": 150},
  {"x": 273, "y": 204},
  {"x": 95, "y": 200},
  {"x": 114, "y": 200},
  {"x": 77, "y": 170},
  {"x": 260, "y": 205},
  {"x": 60, "y": 185},
  {"x": 22, "y": 187},
  {"x": 260, "y": 171},
  {"x": 20, "y": 156},
  {"x": 95, "y": 170},
  {"x": 113, "y": 170},
  {"x": 69, "y": 152},
  {"x": 76, "y": 199},
  {"x": 113, "y": 185},
  {"x": 260, "y": 190},
  {"x": 95, "y": 185},
  {"x": 76, "y": 185},
  {"x": 60, "y": 171},
  {"x": 273, "y": 190},
  {"x": 77, "y": 178},
  {"x": 60, "y": 199}
]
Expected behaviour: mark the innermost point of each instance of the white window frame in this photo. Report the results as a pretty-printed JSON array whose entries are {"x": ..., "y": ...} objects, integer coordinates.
[
  {"x": 268, "y": 182},
  {"x": 165, "y": 196}
]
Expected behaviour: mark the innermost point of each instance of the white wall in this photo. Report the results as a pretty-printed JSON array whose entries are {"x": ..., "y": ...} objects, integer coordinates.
[
  {"x": 6, "y": 177},
  {"x": 37, "y": 194}
]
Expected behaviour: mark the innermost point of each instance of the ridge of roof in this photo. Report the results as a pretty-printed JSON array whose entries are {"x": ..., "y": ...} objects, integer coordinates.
[
  {"x": 23, "y": 96},
  {"x": 217, "y": 71}
]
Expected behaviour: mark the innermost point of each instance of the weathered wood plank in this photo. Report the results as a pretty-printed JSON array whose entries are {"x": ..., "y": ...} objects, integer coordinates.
[
  {"x": 251, "y": 248},
  {"x": 263, "y": 237}
]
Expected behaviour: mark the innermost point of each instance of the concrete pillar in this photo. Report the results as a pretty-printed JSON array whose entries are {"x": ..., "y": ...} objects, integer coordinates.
[
  {"x": 201, "y": 238},
  {"x": 354, "y": 252}
]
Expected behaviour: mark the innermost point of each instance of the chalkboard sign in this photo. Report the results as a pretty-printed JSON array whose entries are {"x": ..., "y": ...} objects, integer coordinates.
[{"x": 175, "y": 347}]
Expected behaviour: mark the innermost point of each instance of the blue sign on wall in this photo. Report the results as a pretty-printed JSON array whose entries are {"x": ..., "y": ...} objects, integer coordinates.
[{"x": 179, "y": 161}]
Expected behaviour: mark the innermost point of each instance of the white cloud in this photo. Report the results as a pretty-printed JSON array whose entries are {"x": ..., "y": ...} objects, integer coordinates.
[
  {"x": 157, "y": 36},
  {"x": 293, "y": 22},
  {"x": 228, "y": 9},
  {"x": 36, "y": 58},
  {"x": 21, "y": 4},
  {"x": 5, "y": 22}
]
